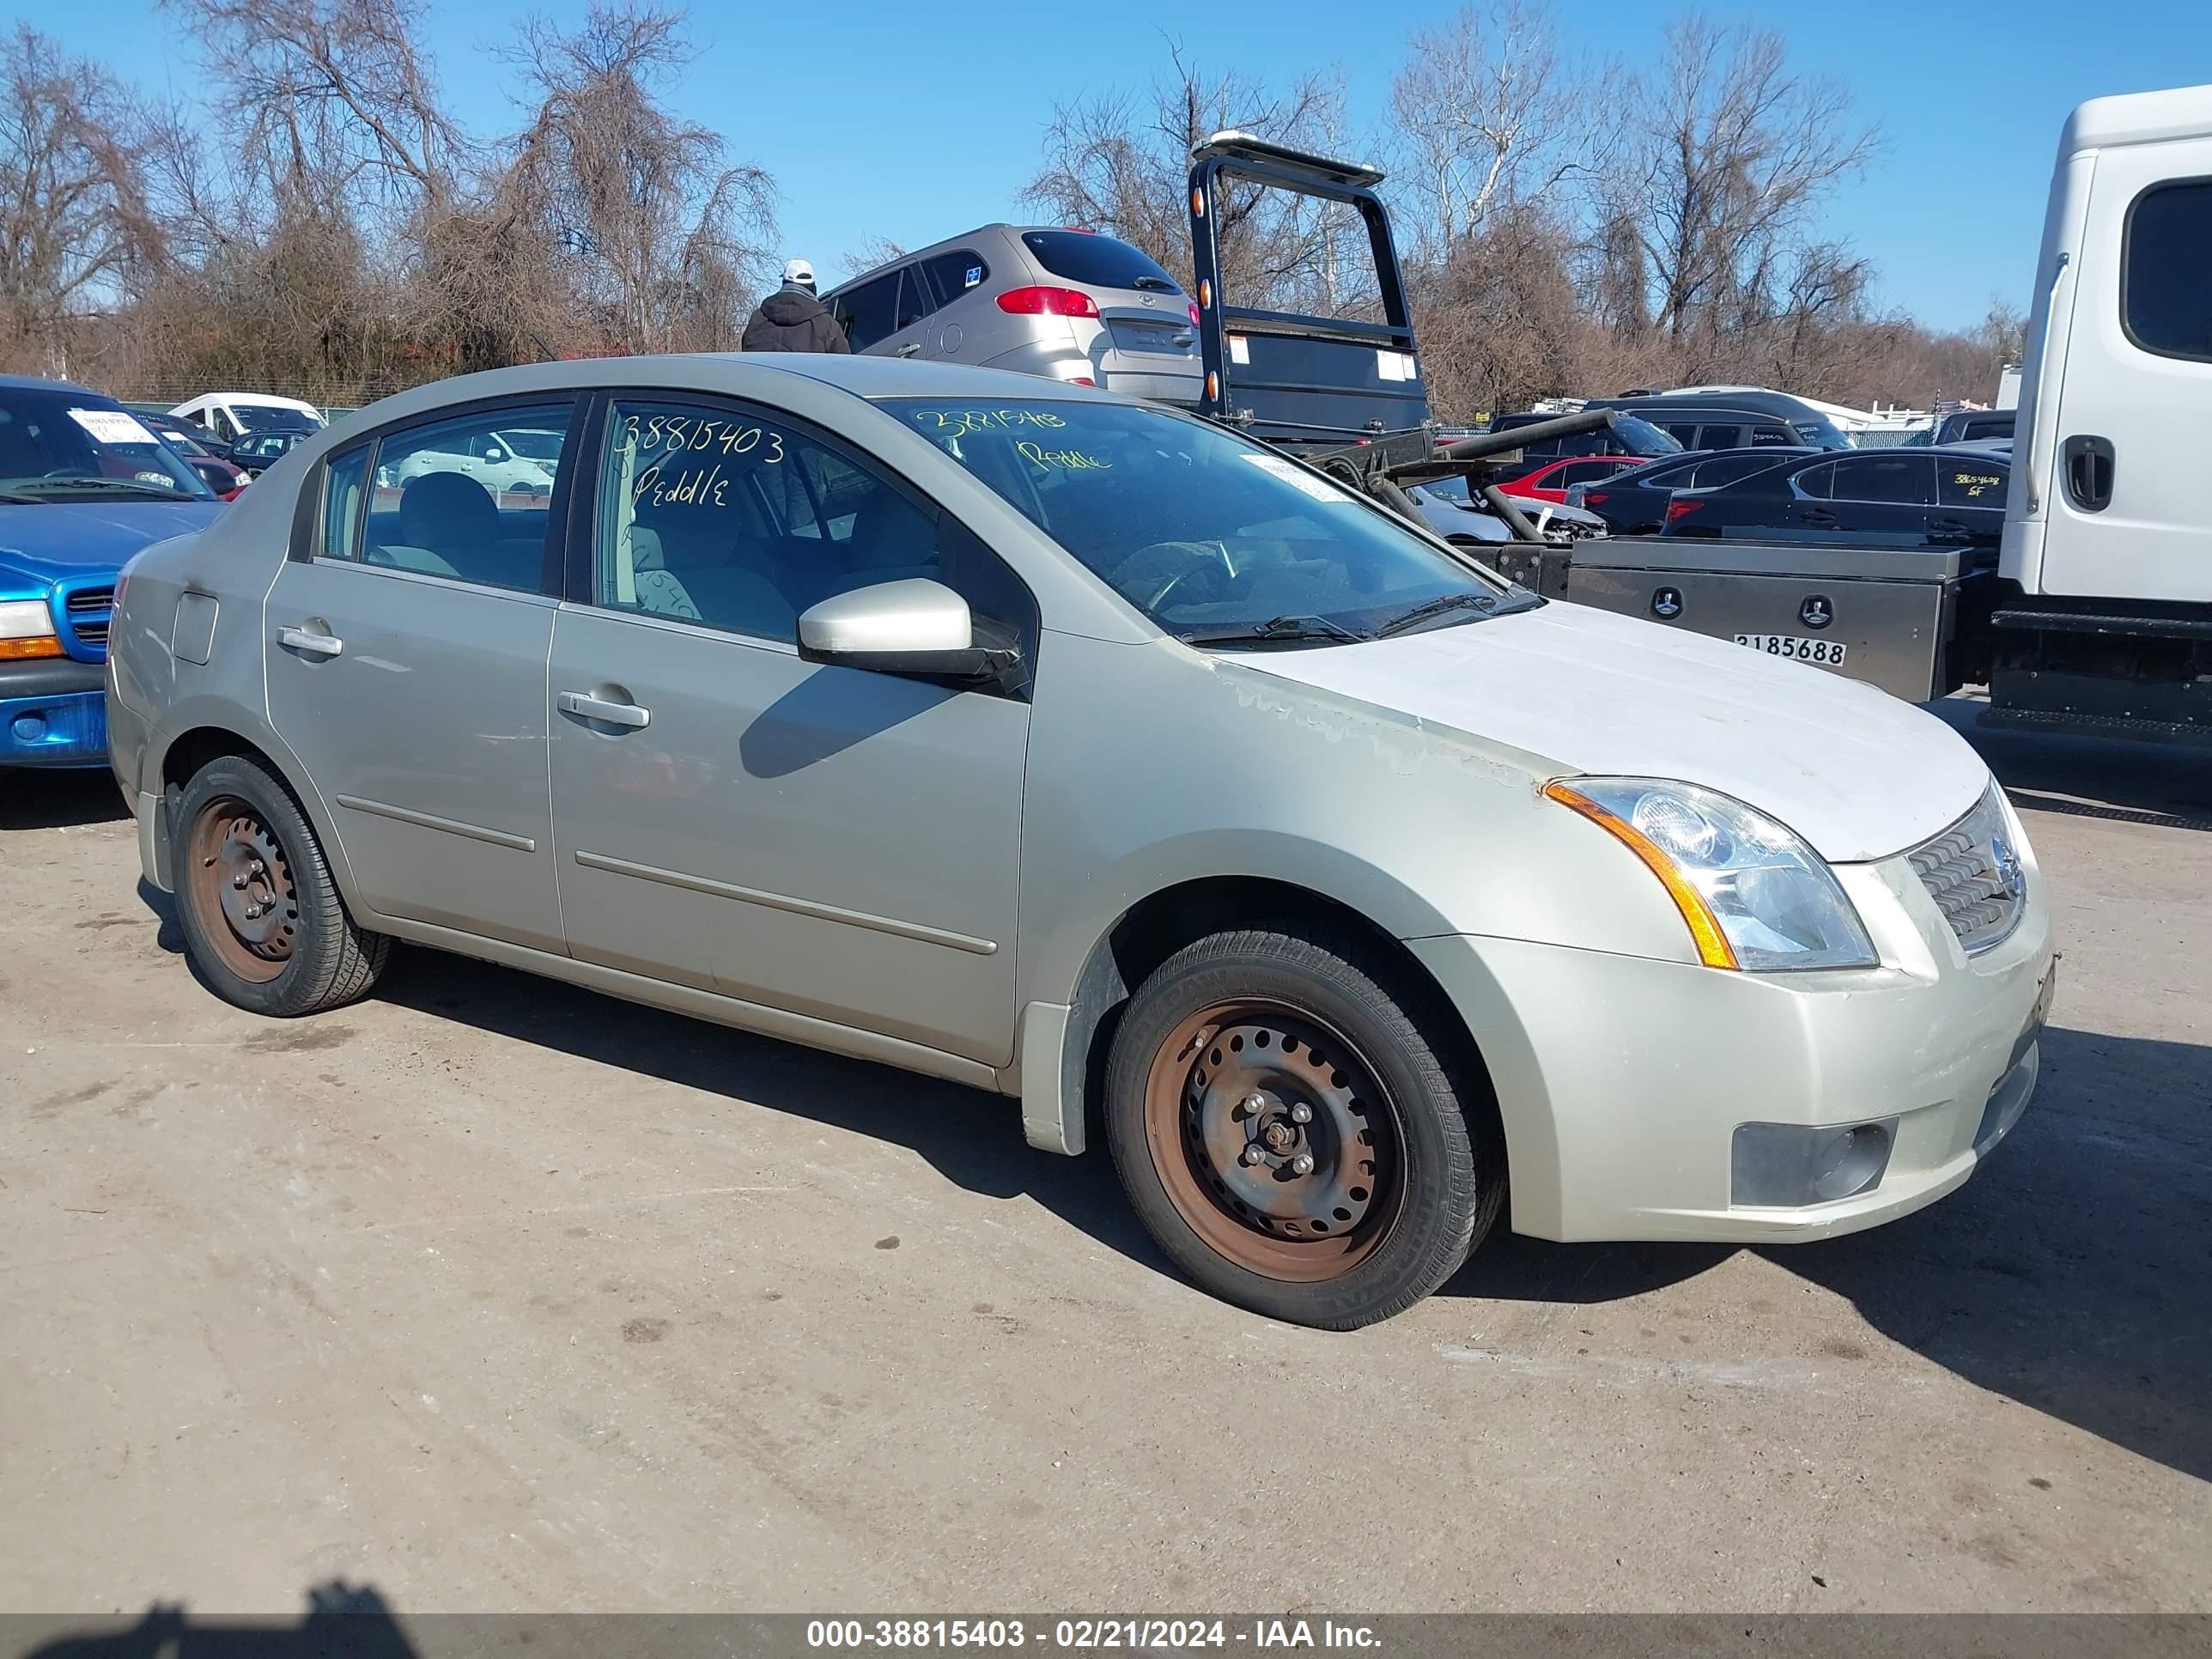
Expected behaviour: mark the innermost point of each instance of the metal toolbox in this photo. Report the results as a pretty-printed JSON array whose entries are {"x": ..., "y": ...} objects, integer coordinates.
[{"x": 1883, "y": 615}]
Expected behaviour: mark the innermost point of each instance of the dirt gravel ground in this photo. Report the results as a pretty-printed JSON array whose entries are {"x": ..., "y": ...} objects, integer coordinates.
[{"x": 491, "y": 1294}]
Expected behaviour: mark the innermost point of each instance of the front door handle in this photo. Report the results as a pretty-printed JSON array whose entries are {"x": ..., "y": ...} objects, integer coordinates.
[
  {"x": 586, "y": 707},
  {"x": 1817, "y": 515},
  {"x": 907, "y": 350},
  {"x": 308, "y": 640},
  {"x": 2087, "y": 466}
]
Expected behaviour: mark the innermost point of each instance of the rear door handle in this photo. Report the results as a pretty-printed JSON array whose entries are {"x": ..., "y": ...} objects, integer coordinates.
[
  {"x": 907, "y": 350},
  {"x": 586, "y": 707},
  {"x": 1817, "y": 515},
  {"x": 307, "y": 640}
]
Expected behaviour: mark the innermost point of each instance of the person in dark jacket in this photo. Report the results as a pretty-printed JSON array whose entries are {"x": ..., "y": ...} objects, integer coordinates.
[{"x": 792, "y": 320}]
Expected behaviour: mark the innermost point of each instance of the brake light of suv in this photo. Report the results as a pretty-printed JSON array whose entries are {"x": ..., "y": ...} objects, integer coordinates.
[{"x": 1048, "y": 302}]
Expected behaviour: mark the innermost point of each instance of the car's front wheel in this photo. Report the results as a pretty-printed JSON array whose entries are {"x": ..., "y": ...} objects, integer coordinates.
[
  {"x": 262, "y": 917},
  {"x": 1292, "y": 1135}
]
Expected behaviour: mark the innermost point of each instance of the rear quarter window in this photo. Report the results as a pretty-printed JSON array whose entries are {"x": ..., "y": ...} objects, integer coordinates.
[
  {"x": 1076, "y": 256},
  {"x": 2166, "y": 301},
  {"x": 1971, "y": 483}
]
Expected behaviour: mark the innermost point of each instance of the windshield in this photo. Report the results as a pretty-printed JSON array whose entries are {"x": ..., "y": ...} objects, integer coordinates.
[
  {"x": 1206, "y": 533},
  {"x": 59, "y": 445},
  {"x": 270, "y": 417}
]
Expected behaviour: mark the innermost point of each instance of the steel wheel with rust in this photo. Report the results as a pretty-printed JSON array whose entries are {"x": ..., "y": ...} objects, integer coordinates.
[
  {"x": 238, "y": 873},
  {"x": 1274, "y": 1139},
  {"x": 1290, "y": 1133},
  {"x": 262, "y": 916}
]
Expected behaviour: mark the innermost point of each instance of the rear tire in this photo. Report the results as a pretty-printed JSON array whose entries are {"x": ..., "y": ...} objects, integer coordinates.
[
  {"x": 263, "y": 921},
  {"x": 1291, "y": 1136}
]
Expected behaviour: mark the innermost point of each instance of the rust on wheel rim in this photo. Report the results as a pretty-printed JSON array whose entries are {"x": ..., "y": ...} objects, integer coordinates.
[
  {"x": 1274, "y": 1138},
  {"x": 242, "y": 889}
]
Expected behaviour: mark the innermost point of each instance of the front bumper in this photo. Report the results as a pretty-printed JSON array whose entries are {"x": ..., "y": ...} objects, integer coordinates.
[
  {"x": 1622, "y": 1081},
  {"x": 53, "y": 712}
]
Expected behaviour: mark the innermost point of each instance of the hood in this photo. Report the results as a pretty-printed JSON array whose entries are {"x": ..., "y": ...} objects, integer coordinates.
[
  {"x": 1858, "y": 774},
  {"x": 46, "y": 543},
  {"x": 789, "y": 306}
]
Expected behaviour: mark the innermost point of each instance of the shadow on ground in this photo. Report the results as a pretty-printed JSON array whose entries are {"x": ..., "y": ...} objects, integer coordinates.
[
  {"x": 2068, "y": 1274},
  {"x": 39, "y": 798},
  {"x": 340, "y": 1623},
  {"x": 2165, "y": 784}
]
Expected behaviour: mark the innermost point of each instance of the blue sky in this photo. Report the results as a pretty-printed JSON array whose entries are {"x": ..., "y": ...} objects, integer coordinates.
[{"x": 914, "y": 122}]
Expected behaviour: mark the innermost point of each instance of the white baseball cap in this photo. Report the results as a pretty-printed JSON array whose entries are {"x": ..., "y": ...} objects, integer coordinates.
[{"x": 799, "y": 271}]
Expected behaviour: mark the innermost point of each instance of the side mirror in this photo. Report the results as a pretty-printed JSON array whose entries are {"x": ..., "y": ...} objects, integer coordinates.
[{"x": 915, "y": 626}]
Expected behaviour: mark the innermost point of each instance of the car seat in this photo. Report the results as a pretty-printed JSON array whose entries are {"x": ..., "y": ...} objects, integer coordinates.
[{"x": 689, "y": 569}]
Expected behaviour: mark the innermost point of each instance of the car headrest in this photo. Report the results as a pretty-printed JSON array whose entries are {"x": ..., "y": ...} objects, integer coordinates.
[{"x": 447, "y": 509}]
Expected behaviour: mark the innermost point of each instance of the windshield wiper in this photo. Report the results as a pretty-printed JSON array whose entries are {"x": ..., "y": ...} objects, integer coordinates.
[
  {"x": 1157, "y": 284},
  {"x": 167, "y": 492},
  {"x": 1282, "y": 630},
  {"x": 1421, "y": 613}
]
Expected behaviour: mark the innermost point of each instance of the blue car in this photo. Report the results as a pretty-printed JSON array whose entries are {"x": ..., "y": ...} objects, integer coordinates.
[{"x": 83, "y": 486}]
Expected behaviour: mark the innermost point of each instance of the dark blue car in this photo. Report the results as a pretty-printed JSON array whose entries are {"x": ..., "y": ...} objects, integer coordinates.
[{"x": 83, "y": 486}]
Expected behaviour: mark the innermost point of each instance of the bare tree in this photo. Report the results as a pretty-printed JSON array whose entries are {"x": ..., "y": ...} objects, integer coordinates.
[
  {"x": 1490, "y": 115},
  {"x": 1726, "y": 156},
  {"x": 73, "y": 214},
  {"x": 660, "y": 234},
  {"x": 1118, "y": 163},
  {"x": 337, "y": 105}
]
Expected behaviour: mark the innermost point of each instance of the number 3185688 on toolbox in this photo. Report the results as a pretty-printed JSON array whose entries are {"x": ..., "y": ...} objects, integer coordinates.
[{"x": 1795, "y": 645}]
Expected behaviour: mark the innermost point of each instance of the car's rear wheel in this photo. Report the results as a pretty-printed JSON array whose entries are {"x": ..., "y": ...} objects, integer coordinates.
[
  {"x": 262, "y": 917},
  {"x": 1290, "y": 1133}
]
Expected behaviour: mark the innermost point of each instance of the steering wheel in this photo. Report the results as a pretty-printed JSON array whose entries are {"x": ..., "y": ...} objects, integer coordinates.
[{"x": 1197, "y": 557}]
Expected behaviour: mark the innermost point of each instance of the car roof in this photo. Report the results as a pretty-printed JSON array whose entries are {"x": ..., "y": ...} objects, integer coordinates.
[
  {"x": 37, "y": 382},
  {"x": 736, "y": 373}
]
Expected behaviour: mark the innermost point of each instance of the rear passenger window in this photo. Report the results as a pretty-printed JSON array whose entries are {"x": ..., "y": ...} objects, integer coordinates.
[
  {"x": 1890, "y": 479},
  {"x": 469, "y": 498},
  {"x": 1817, "y": 483},
  {"x": 1971, "y": 483},
  {"x": 1772, "y": 437},
  {"x": 915, "y": 301},
  {"x": 1727, "y": 436},
  {"x": 343, "y": 495},
  {"x": 868, "y": 313},
  {"x": 2166, "y": 302},
  {"x": 953, "y": 274}
]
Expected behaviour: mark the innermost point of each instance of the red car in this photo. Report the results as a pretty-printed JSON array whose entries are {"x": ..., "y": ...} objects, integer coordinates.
[
  {"x": 1547, "y": 481},
  {"x": 223, "y": 476}
]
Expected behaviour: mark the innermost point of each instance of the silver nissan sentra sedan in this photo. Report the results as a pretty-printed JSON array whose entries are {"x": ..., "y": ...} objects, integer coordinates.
[{"x": 1086, "y": 752}]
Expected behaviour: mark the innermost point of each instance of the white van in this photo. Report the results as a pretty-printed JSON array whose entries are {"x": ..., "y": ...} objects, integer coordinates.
[{"x": 229, "y": 415}]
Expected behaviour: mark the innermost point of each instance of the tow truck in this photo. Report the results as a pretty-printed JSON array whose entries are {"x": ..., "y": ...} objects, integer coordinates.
[{"x": 2095, "y": 618}]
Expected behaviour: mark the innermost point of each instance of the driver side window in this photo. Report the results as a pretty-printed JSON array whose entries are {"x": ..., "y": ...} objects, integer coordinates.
[{"x": 713, "y": 514}]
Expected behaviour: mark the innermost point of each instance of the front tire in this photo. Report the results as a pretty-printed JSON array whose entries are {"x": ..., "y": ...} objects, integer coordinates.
[
  {"x": 1290, "y": 1133},
  {"x": 263, "y": 921}
]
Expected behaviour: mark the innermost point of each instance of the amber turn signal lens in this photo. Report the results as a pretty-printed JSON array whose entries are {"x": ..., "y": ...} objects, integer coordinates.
[
  {"x": 45, "y": 645},
  {"x": 1713, "y": 948}
]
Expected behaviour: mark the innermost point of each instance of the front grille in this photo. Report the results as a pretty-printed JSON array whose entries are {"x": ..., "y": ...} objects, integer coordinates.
[
  {"x": 1972, "y": 872},
  {"x": 87, "y": 610}
]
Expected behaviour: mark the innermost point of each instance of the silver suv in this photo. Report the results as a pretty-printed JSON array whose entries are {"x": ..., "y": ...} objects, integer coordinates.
[{"x": 1070, "y": 305}]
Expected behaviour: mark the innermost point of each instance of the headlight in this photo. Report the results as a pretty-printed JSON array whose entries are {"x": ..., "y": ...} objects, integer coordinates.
[
  {"x": 27, "y": 629},
  {"x": 1752, "y": 894}
]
